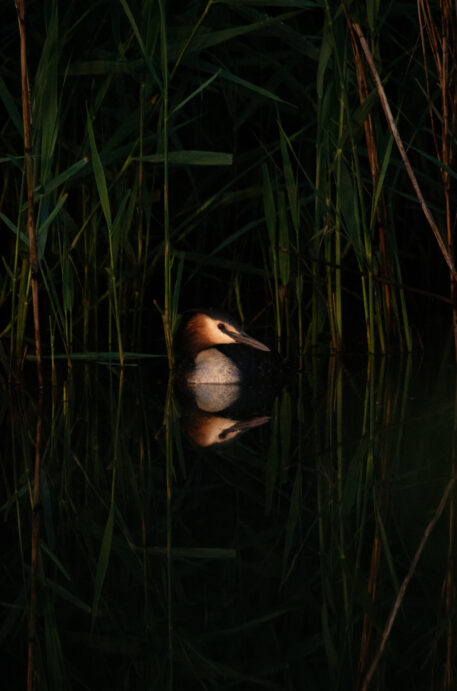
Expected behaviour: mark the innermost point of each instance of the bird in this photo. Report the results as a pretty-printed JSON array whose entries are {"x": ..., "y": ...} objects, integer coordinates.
[{"x": 212, "y": 348}]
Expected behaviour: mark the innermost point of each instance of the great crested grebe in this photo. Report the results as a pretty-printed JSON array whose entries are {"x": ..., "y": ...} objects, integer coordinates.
[{"x": 213, "y": 349}]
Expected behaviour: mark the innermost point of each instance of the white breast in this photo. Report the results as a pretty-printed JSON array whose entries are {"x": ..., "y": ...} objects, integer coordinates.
[
  {"x": 213, "y": 367},
  {"x": 212, "y": 398}
]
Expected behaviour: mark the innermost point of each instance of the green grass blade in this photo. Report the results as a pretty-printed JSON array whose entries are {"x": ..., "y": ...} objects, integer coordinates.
[
  {"x": 104, "y": 557},
  {"x": 42, "y": 230},
  {"x": 284, "y": 248},
  {"x": 194, "y": 93},
  {"x": 63, "y": 177},
  {"x": 99, "y": 174},
  {"x": 191, "y": 158},
  {"x": 11, "y": 109}
]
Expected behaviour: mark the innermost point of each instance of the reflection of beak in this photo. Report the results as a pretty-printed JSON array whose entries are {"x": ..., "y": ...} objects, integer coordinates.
[
  {"x": 241, "y": 337},
  {"x": 243, "y": 425}
]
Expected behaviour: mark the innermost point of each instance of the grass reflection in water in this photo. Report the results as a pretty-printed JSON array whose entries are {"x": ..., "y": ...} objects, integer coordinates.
[{"x": 261, "y": 563}]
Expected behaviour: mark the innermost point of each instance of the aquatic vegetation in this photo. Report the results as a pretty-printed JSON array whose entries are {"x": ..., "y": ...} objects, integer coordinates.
[
  {"x": 187, "y": 548},
  {"x": 238, "y": 151}
]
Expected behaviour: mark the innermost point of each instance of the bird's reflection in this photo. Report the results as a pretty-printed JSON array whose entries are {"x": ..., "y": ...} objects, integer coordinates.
[
  {"x": 213, "y": 430},
  {"x": 217, "y": 414}
]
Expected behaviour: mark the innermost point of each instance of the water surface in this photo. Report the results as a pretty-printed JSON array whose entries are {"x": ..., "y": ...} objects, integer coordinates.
[{"x": 272, "y": 558}]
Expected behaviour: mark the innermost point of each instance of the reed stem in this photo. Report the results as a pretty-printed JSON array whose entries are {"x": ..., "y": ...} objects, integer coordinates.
[
  {"x": 167, "y": 314},
  {"x": 27, "y": 121}
]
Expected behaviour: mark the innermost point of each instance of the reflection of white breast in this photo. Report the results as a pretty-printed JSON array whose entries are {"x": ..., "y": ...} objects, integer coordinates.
[{"x": 213, "y": 367}]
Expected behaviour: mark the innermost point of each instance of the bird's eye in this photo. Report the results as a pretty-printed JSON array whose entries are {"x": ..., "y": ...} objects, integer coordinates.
[{"x": 221, "y": 326}]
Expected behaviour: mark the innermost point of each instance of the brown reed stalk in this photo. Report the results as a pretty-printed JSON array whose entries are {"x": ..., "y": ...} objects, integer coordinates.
[
  {"x": 402, "y": 590},
  {"x": 448, "y": 588},
  {"x": 393, "y": 128},
  {"x": 448, "y": 596},
  {"x": 27, "y": 120},
  {"x": 367, "y": 628},
  {"x": 373, "y": 160},
  {"x": 442, "y": 41},
  {"x": 382, "y": 499}
]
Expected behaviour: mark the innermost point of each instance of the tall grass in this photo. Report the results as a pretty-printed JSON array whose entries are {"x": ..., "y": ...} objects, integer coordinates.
[
  {"x": 232, "y": 154},
  {"x": 438, "y": 36}
]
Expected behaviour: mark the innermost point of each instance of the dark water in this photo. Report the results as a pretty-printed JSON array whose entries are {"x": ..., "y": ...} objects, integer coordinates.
[{"x": 270, "y": 559}]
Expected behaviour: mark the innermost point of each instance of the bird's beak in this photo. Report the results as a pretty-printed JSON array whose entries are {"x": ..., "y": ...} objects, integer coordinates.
[{"x": 241, "y": 337}]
